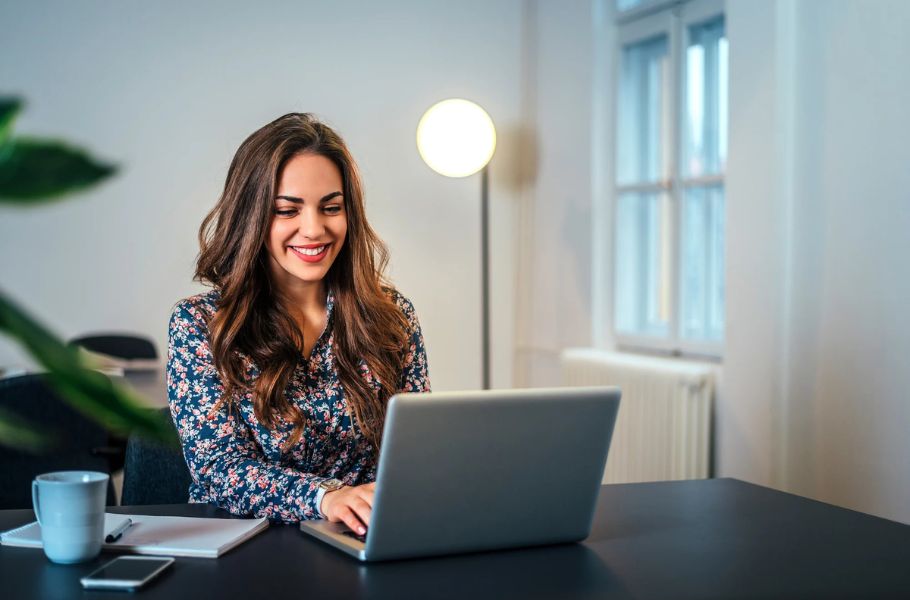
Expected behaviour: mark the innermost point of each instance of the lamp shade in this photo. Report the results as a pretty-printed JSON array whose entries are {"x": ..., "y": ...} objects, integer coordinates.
[{"x": 456, "y": 138}]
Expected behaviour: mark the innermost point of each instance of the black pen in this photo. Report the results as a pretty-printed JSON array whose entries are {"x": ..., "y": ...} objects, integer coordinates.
[{"x": 118, "y": 531}]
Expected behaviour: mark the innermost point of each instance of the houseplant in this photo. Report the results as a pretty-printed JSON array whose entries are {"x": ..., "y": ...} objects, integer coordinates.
[{"x": 32, "y": 172}]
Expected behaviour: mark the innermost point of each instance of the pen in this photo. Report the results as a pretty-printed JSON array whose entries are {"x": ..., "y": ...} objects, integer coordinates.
[{"x": 118, "y": 531}]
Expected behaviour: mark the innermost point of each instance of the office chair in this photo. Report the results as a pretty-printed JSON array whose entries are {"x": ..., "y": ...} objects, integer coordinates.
[
  {"x": 121, "y": 346},
  {"x": 78, "y": 443},
  {"x": 155, "y": 473},
  {"x": 125, "y": 346}
]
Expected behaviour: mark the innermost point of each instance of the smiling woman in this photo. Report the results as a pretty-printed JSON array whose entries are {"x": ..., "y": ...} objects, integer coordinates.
[{"x": 279, "y": 377}]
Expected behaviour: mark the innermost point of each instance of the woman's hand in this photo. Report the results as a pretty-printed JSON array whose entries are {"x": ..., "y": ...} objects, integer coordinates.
[{"x": 353, "y": 505}]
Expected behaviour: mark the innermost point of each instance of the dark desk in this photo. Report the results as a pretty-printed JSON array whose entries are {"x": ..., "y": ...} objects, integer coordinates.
[{"x": 717, "y": 538}]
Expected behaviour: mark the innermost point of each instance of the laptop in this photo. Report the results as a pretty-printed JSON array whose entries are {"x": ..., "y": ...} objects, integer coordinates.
[{"x": 483, "y": 470}]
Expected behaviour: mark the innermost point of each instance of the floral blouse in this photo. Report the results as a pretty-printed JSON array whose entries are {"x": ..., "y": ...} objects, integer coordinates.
[{"x": 236, "y": 462}]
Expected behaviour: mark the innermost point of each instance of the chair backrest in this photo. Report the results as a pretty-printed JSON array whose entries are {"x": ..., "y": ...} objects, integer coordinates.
[
  {"x": 78, "y": 443},
  {"x": 154, "y": 473},
  {"x": 126, "y": 346}
]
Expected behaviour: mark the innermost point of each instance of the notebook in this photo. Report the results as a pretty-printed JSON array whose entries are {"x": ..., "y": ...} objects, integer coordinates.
[{"x": 162, "y": 536}]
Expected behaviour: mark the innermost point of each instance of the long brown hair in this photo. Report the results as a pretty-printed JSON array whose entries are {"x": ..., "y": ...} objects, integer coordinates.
[{"x": 367, "y": 324}]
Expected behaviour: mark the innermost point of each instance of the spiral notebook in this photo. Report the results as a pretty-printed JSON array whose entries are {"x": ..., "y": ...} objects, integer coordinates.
[{"x": 158, "y": 535}]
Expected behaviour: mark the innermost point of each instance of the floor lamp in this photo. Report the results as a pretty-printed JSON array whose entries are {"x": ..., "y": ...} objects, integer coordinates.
[{"x": 456, "y": 138}]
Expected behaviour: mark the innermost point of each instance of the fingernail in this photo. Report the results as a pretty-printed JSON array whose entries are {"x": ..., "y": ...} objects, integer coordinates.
[{"x": 361, "y": 531}]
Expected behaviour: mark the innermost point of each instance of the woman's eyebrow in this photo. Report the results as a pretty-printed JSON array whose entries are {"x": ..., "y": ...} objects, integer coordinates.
[{"x": 297, "y": 200}]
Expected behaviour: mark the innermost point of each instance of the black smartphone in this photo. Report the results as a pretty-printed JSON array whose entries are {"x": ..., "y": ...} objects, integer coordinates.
[{"x": 126, "y": 573}]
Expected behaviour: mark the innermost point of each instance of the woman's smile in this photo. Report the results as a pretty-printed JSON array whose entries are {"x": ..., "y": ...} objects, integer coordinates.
[{"x": 311, "y": 253}]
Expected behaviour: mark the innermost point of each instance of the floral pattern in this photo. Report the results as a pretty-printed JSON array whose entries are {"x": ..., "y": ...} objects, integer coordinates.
[{"x": 236, "y": 462}]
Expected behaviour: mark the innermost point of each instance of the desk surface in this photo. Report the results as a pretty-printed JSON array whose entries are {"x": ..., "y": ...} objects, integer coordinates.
[{"x": 717, "y": 538}]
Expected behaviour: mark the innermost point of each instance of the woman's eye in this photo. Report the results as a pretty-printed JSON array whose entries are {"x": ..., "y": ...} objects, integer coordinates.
[
  {"x": 286, "y": 212},
  {"x": 333, "y": 210}
]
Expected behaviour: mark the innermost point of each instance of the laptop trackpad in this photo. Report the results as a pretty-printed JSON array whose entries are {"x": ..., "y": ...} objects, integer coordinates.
[{"x": 337, "y": 534}]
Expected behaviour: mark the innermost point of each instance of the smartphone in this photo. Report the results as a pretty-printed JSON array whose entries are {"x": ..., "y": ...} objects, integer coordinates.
[{"x": 126, "y": 573}]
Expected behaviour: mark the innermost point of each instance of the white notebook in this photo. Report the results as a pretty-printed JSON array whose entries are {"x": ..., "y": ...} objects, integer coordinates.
[{"x": 163, "y": 536}]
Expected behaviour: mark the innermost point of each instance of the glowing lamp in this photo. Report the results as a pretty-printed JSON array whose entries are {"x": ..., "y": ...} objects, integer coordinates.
[{"x": 456, "y": 138}]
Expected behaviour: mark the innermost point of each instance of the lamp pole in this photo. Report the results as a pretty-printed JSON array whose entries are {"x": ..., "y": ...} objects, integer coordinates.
[{"x": 485, "y": 273}]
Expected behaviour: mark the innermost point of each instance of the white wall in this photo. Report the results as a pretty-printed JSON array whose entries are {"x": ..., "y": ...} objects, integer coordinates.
[
  {"x": 554, "y": 295},
  {"x": 855, "y": 86},
  {"x": 170, "y": 89},
  {"x": 758, "y": 197}
]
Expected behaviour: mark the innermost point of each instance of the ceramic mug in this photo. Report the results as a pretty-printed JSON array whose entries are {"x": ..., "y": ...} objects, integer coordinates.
[{"x": 69, "y": 506}]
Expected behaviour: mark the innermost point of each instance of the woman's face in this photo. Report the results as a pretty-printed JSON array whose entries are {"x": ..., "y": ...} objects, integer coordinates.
[{"x": 309, "y": 223}]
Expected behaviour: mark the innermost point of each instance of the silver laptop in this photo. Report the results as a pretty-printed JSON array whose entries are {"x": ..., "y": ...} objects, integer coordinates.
[{"x": 469, "y": 471}]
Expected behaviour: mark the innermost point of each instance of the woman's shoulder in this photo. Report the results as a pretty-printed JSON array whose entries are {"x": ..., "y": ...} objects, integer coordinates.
[
  {"x": 403, "y": 303},
  {"x": 199, "y": 308}
]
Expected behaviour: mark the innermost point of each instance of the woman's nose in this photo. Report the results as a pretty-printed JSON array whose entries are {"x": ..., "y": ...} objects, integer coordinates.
[{"x": 311, "y": 226}]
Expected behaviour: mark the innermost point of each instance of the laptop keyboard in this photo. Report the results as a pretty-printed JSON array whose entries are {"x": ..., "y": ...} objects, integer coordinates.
[{"x": 359, "y": 538}]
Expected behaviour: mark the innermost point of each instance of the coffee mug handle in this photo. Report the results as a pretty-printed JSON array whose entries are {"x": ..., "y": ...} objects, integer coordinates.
[{"x": 35, "y": 501}]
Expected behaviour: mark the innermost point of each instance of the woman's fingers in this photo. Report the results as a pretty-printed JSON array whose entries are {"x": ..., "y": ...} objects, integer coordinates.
[
  {"x": 350, "y": 519},
  {"x": 353, "y": 506},
  {"x": 362, "y": 510}
]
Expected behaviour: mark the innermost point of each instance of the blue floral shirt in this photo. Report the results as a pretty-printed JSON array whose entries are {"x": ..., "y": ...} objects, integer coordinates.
[{"x": 236, "y": 462}]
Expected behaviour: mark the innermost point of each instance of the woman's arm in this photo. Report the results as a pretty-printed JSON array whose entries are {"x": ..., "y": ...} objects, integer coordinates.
[{"x": 223, "y": 457}]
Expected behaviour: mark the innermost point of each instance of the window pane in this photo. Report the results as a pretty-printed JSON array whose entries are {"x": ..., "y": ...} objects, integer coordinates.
[
  {"x": 642, "y": 264},
  {"x": 644, "y": 111},
  {"x": 705, "y": 118},
  {"x": 702, "y": 264}
]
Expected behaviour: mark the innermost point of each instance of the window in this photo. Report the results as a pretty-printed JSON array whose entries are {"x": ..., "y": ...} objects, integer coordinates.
[{"x": 671, "y": 151}]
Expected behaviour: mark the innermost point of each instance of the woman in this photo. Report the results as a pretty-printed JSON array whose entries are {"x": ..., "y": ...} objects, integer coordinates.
[{"x": 278, "y": 378}]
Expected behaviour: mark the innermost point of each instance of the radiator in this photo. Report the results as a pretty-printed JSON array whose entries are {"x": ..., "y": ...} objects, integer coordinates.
[{"x": 663, "y": 430}]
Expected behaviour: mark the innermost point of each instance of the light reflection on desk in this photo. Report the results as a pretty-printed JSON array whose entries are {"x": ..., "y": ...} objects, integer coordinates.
[{"x": 568, "y": 570}]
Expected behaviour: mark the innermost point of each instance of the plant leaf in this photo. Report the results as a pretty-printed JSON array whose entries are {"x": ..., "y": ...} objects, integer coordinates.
[
  {"x": 115, "y": 406},
  {"x": 34, "y": 170},
  {"x": 17, "y": 433},
  {"x": 9, "y": 108}
]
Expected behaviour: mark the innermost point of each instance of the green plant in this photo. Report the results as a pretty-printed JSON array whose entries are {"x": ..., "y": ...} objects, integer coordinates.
[{"x": 34, "y": 171}]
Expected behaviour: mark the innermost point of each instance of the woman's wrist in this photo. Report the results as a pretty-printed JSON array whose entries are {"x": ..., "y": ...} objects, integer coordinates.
[
  {"x": 324, "y": 503},
  {"x": 325, "y": 486}
]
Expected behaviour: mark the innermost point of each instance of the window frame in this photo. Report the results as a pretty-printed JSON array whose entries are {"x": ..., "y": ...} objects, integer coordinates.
[
  {"x": 652, "y": 18},
  {"x": 644, "y": 7}
]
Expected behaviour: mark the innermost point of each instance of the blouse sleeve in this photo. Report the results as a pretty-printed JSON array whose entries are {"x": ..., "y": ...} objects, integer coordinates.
[
  {"x": 224, "y": 459},
  {"x": 415, "y": 376}
]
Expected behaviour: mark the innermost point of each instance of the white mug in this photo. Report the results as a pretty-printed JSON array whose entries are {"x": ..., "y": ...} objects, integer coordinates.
[{"x": 69, "y": 506}]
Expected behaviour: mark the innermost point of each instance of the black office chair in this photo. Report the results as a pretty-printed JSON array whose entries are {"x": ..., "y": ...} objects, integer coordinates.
[
  {"x": 125, "y": 346},
  {"x": 78, "y": 443},
  {"x": 155, "y": 473}
]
